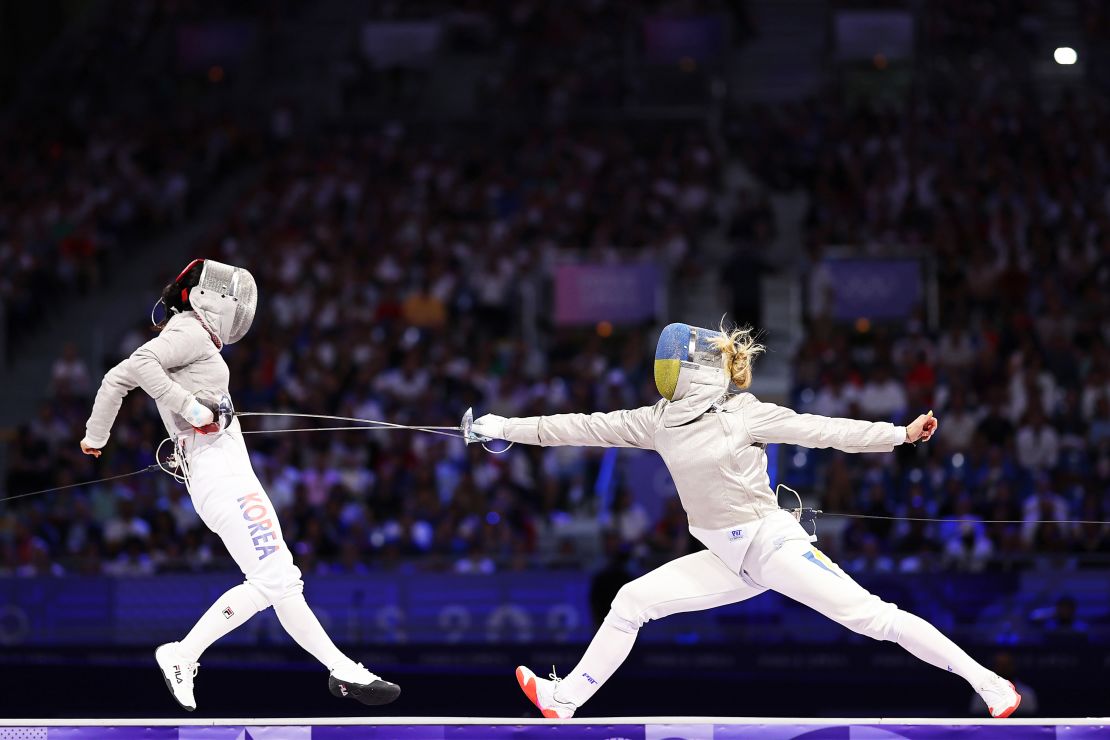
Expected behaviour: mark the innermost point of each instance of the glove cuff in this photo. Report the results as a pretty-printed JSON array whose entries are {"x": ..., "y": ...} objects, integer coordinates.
[{"x": 524, "y": 431}]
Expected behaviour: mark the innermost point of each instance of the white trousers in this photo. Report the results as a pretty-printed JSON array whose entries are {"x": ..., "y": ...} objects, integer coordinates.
[
  {"x": 232, "y": 503},
  {"x": 772, "y": 553}
]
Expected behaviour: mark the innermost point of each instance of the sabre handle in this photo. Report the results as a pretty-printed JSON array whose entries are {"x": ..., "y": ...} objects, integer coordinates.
[
  {"x": 466, "y": 426},
  {"x": 223, "y": 411}
]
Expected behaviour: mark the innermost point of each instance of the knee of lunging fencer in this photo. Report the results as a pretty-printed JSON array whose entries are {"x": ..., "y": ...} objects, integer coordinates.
[
  {"x": 629, "y": 612},
  {"x": 618, "y": 622}
]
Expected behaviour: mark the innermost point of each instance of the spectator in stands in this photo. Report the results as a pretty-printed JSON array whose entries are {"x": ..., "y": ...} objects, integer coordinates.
[
  {"x": 883, "y": 397},
  {"x": 628, "y": 519},
  {"x": 996, "y": 426},
  {"x": 871, "y": 558},
  {"x": 70, "y": 374},
  {"x": 960, "y": 423},
  {"x": 1064, "y": 625},
  {"x": 1099, "y": 433},
  {"x": 965, "y": 541},
  {"x": 836, "y": 397},
  {"x": 422, "y": 308},
  {"x": 1042, "y": 509},
  {"x": 1038, "y": 444}
]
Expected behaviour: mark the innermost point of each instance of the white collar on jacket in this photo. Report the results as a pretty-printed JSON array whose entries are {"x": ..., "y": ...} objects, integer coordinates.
[{"x": 699, "y": 388}]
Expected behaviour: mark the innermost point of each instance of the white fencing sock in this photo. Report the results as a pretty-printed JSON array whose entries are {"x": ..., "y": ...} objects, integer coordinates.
[
  {"x": 303, "y": 626},
  {"x": 926, "y": 642},
  {"x": 229, "y": 611},
  {"x": 608, "y": 649}
]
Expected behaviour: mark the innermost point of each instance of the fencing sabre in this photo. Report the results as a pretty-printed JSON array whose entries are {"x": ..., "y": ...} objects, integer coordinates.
[{"x": 464, "y": 430}]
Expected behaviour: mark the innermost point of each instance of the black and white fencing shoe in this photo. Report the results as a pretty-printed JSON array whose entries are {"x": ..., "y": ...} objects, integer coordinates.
[
  {"x": 179, "y": 674},
  {"x": 355, "y": 682}
]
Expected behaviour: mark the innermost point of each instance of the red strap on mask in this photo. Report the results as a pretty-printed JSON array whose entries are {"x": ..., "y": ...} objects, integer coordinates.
[{"x": 189, "y": 267}]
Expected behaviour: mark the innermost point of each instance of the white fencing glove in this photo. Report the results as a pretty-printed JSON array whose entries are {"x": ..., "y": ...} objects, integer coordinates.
[
  {"x": 197, "y": 414},
  {"x": 490, "y": 425}
]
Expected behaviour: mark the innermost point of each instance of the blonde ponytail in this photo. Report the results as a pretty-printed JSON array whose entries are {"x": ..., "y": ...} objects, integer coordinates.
[{"x": 739, "y": 349}]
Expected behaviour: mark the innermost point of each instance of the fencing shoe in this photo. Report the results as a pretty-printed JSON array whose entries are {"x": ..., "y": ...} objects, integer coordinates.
[
  {"x": 542, "y": 693},
  {"x": 355, "y": 682},
  {"x": 179, "y": 674},
  {"x": 1000, "y": 695}
]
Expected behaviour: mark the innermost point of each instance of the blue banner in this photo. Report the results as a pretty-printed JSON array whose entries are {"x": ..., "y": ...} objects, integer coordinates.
[
  {"x": 516, "y": 607},
  {"x": 378, "y": 608},
  {"x": 879, "y": 290}
]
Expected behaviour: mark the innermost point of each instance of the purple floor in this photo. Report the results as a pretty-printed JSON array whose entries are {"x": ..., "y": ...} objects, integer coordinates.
[{"x": 631, "y": 728}]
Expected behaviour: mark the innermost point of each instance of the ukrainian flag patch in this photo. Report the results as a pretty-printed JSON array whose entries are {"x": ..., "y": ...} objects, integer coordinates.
[{"x": 821, "y": 560}]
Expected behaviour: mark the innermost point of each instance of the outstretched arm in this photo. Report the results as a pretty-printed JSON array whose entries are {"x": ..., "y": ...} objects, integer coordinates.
[
  {"x": 769, "y": 423},
  {"x": 626, "y": 428}
]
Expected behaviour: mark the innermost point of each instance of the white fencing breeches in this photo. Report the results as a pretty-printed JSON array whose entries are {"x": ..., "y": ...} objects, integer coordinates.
[
  {"x": 232, "y": 503},
  {"x": 773, "y": 553}
]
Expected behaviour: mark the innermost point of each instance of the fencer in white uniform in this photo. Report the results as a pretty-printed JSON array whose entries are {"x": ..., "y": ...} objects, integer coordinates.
[
  {"x": 713, "y": 437},
  {"x": 209, "y": 305}
]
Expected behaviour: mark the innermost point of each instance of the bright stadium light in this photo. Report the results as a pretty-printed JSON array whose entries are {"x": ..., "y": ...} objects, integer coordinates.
[{"x": 1065, "y": 55}]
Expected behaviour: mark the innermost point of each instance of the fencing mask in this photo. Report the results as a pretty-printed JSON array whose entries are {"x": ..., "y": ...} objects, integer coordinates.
[
  {"x": 684, "y": 356},
  {"x": 225, "y": 296}
]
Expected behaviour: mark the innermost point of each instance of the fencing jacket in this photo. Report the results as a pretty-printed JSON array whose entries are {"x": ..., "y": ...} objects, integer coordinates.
[
  {"x": 180, "y": 361},
  {"x": 714, "y": 447}
]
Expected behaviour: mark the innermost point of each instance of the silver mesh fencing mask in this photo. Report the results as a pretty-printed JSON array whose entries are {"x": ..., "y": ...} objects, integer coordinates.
[{"x": 227, "y": 297}]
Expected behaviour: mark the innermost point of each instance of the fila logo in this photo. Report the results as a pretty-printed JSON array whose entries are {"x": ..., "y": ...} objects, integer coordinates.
[
  {"x": 228, "y": 613},
  {"x": 177, "y": 673},
  {"x": 591, "y": 679},
  {"x": 736, "y": 534}
]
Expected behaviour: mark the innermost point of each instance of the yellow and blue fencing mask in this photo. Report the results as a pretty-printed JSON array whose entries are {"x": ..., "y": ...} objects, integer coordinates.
[{"x": 681, "y": 351}]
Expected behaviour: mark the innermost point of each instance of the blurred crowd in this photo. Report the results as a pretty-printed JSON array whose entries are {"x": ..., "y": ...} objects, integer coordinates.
[
  {"x": 534, "y": 60},
  {"x": 108, "y": 146},
  {"x": 77, "y": 201},
  {"x": 1009, "y": 205},
  {"x": 402, "y": 279},
  {"x": 1016, "y": 367}
]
